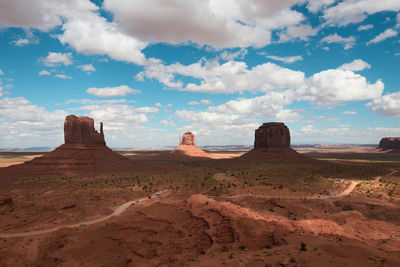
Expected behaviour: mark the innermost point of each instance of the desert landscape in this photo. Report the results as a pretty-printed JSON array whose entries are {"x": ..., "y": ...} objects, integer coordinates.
[{"x": 85, "y": 205}]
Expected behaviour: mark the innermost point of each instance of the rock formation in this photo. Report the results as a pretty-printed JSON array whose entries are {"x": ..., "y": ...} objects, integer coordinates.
[
  {"x": 272, "y": 134},
  {"x": 390, "y": 143},
  {"x": 272, "y": 142},
  {"x": 80, "y": 130},
  {"x": 84, "y": 151},
  {"x": 187, "y": 147}
]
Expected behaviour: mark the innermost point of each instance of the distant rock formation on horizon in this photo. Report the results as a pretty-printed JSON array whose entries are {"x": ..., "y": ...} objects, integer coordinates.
[
  {"x": 272, "y": 142},
  {"x": 390, "y": 143},
  {"x": 187, "y": 147}
]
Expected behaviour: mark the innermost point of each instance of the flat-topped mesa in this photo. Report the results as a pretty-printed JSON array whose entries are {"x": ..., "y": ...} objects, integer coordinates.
[
  {"x": 272, "y": 134},
  {"x": 390, "y": 143},
  {"x": 80, "y": 130},
  {"x": 187, "y": 139}
]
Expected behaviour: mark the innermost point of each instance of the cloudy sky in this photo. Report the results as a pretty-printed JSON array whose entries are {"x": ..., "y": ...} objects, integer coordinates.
[{"x": 153, "y": 69}]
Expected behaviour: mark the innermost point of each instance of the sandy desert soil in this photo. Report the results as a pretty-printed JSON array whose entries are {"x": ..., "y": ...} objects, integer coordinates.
[{"x": 211, "y": 212}]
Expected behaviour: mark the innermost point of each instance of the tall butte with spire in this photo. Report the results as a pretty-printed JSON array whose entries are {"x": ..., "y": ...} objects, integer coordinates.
[
  {"x": 187, "y": 147},
  {"x": 84, "y": 151},
  {"x": 272, "y": 142}
]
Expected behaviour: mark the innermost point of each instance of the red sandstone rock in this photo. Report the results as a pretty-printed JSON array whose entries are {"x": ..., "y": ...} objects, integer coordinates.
[
  {"x": 188, "y": 139},
  {"x": 187, "y": 147},
  {"x": 272, "y": 134},
  {"x": 272, "y": 142},
  {"x": 80, "y": 130},
  {"x": 388, "y": 143}
]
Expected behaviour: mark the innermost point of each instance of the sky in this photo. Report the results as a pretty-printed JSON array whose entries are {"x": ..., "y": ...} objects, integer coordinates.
[{"x": 151, "y": 70}]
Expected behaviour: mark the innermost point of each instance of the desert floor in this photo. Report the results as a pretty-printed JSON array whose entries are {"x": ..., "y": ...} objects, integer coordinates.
[{"x": 340, "y": 208}]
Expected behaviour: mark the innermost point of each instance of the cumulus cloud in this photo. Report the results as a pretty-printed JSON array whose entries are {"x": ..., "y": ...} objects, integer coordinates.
[
  {"x": 55, "y": 59},
  {"x": 1, "y": 72},
  {"x": 158, "y": 104},
  {"x": 87, "y": 68},
  {"x": 383, "y": 36},
  {"x": 347, "y": 42},
  {"x": 355, "y": 65},
  {"x": 146, "y": 110},
  {"x": 121, "y": 90},
  {"x": 388, "y": 105},
  {"x": 365, "y": 27},
  {"x": 193, "y": 103},
  {"x": 206, "y": 102},
  {"x": 302, "y": 32},
  {"x": 316, "y": 5},
  {"x": 351, "y": 11},
  {"x": 63, "y": 76},
  {"x": 337, "y": 85},
  {"x": 44, "y": 72},
  {"x": 290, "y": 59}
]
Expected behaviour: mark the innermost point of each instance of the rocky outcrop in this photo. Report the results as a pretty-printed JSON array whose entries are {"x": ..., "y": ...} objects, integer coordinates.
[
  {"x": 390, "y": 143},
  {"x": 187, "y": 147},
  {"x": 80, "y": 130},
  {"x": 84, "y": 152},
  {"x": 272, "y": 142},
  {"x": 187, "y": 139},
  {"x": 272, "y": 134}
]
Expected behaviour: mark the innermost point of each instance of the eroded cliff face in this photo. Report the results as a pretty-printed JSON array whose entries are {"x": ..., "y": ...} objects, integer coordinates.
[
  {"x": 80, "y": 130},
  {"x": 272, "y": 134},
  {"x": 388, "y": 143},
  {"x": 188, "y": 139}
]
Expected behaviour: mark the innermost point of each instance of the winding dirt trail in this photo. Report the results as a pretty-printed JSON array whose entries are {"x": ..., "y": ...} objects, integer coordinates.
[{"x": 117, "y": 211}]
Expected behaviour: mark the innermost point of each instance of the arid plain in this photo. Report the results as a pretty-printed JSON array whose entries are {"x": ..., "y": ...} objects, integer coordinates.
[{"x": 85, "y": 205}]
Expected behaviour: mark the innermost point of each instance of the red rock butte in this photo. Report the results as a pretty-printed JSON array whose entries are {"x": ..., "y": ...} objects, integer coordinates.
[
  {"x": 390, "y": 143},
  {"x": 272, "y": 142},
  {"x": 84, "y": 151},
  {"x": 187, "y": 147}
]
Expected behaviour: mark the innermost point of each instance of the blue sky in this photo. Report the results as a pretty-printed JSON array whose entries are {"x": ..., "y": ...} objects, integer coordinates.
[{"x": 152, "y": 70}]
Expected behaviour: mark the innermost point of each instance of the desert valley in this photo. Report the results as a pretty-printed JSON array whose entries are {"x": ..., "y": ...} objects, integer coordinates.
[{"x": 86, "y": 205}]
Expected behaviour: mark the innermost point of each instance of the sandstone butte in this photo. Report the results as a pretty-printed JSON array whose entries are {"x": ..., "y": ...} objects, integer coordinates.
[
  {"x": 272, "y": 142},
  {"x": 390, "y": 143},
  {"x": 187, "y": 147},
  {"x": 84, "y": 151}
]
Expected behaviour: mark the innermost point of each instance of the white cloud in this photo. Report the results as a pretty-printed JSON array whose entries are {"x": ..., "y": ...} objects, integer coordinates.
[
  {"x": 349, "y": 112},
  {"x": 365, "y": 27},
  {"x": 121, "y": 90},
  {"x": 398, "y": 20},
  {"x": 229, "y": 77},
  {"x": 20, "y": 42},
  {"x": 388, "y": 105},
  {"x": 87, "y": 68},
  {"x": 356, "y": 65},
  {"x": 286, "y": 59},
  {"x": 92, "y": 34},
  {"x": 146, "y": 110},
  {"x": 307, "y": 129},
  {"x": 206, "y": 102},
  {"x": 383, "y": 36},
  {"x": 158, "y": 104},
  {"x": 54, "y": 59},
  {"x": 1, "y": 72},
  {"x": 333, "y": 86},
  {"x": 44, "y": 72},
  {"x": 167, "y": 123},
  {"x": 355, "y": 11},
  {"x": 347, "y": 42},
  {"x": 225, "y": 55},
  {"x": 316, "y": 5},
  {"x": 302, "y": 32},
  {"x": 63, "y": 76},
  {"x": 192, "y": 103}
]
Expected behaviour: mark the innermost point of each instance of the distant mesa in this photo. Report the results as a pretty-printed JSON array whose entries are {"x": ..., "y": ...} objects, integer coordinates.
[
  {"x": 272, "y": 142},
  {"x": 84, "y": 151},
  {"x": 187, "y": 147},
  {"x": 390, "y": 143}
]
